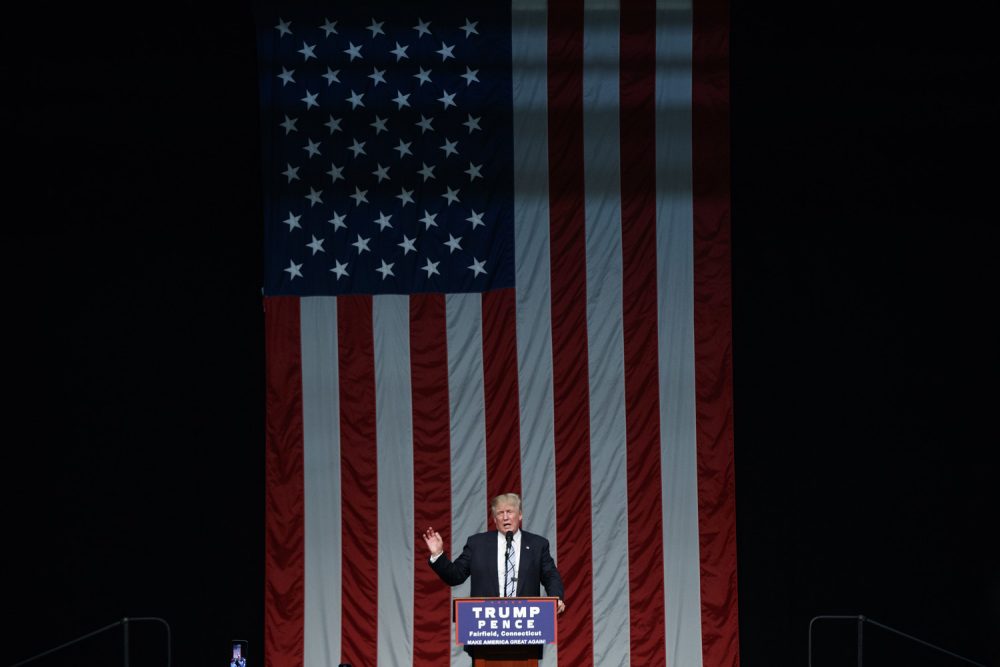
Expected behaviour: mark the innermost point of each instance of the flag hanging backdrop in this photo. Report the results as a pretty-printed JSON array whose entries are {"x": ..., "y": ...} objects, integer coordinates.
[{"x": 498, "y": 260}]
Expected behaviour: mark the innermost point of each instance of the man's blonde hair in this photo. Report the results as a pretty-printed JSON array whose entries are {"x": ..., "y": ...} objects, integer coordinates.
[{"x": 509, "y": 498}]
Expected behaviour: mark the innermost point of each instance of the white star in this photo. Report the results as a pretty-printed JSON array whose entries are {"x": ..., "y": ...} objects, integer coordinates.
[
  {"x": 470, "y": 28},
  {"x": 359, "y": 196},
  {"x": 474, "y": 171},
  {"x": 403, "y": 148},
  {"x": 336, "y": 173},
  {"x": 383, "y": 221},
  {"x": 424, "y": 124},
  {"x": 293, "y": 270},
  {"x": 407, "y": 245},
  {"x": 377, "y": 76},
  {"x": 382, "y": 173},
  {"x": 428, "y": 219},
  {"x": 358, "y": 148},
  {"x": 316, "y": 245},
  {"x": 289, "y": 125},
  {"x": 310, "y": 100},
  {"x": 401, "y": 99},
  {"x": 385, "y": 270},
  {"x": 422, "y": 28},
  {"x": 314, "y": 197},
  {"x": 470, "y": 76},
  {"x": 449, "y": 147},
  {"x": 379, "y": 125},
  {"x": 307, "y": 51},
  {"x": 448, "y": 99},
  {"x": 355, "y": 100},
  {"x": 337, "y": 221},
  {"x": 292, "y": 221},
  {"x": 312, "y": 148},
  {"x": 431, "y": 268},
  {"x": 362, "y": 244},
  {"x": 476, "y": 219},
  {"x": 333, "y": 124},
  {"x": 330, "y": 28},
  {"x": 282, "y": 27},
  {"x": 286, "y": 76},
  {"x": 353, "y": 51},
  {"x": 427, "y": 172},
  {"x": 477, "y": 267},
  {"x": 400, "y": 52},
  {"x": 292, "y": 173},
  {"x": 339, "y": 269},
  {"x": 405, "y": 196},
  {"x": 472, "y": 123},
  {"x": 451, "y": 196},
  {"x": 424, "y": 75},
  {"x": 331, "y": 76},
  {"x": 376, "y": 27},
  {"x": 445, "y": 51},
  {"x": 453, "y": 243}
]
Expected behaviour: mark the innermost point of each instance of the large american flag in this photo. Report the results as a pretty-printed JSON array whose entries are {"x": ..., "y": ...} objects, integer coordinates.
[{"x": 498, "y": 260}]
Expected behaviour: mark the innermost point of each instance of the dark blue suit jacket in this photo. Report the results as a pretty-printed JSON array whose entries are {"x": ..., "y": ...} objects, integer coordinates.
[{"x": 479, "y": 559}]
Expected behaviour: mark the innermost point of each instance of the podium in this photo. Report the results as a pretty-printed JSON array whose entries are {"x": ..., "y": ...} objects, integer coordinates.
[
  {"x": 505, "y": 632},
  {"x": 505, "y": 656}
]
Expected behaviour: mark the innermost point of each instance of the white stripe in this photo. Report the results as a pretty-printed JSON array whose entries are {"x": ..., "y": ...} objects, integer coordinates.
[
  {"x": 321, "y": 470},
  {"x": 602, "y": 214},
  {"x": 531, "y": 242},
  {"x": 467, "y": 410},
  {"x": 394, "y": 438},
  {"x": 529, "y": 49},
  {"x": 675, "y": 276}
]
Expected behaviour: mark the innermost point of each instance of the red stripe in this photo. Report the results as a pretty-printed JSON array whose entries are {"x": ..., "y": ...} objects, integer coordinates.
[
  {"x": 358, "y": 480},
  {"x": 713, "y": 332},
  {"x": 503, "y": 426},
  {"x": 431, "y": 473},
  {"x": 284, "y": 527},
  {"x": 570, "y": 391},
  {"x": 639, "y": 316}
]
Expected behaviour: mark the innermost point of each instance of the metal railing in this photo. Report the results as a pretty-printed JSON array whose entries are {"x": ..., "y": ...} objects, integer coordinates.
[
  {"x": 861, "y": 621},
  {"x": 123, "y": 623}
]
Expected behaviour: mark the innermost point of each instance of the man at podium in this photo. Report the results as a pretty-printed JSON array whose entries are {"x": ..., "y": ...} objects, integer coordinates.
[{"x": 505, "y": 562}]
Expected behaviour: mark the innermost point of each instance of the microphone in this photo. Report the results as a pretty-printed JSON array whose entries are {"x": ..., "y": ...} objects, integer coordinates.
[{"x": 510, "y": 536}]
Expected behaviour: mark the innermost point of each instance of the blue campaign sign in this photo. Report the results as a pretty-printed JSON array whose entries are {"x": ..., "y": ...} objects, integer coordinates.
[{"x": 505, "y": 621}]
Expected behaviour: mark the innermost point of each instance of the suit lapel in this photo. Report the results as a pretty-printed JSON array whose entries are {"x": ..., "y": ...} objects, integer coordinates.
[
  {"x": 523, "y": 554},
  {"x": 492, "y": 551}
]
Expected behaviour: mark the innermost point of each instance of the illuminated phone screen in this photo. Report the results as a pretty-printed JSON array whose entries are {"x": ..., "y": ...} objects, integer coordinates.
[{"x": 239, "y": 658}]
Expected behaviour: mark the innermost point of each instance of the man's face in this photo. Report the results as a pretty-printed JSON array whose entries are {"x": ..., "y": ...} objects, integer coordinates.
[{"x": 507, "y": 517}]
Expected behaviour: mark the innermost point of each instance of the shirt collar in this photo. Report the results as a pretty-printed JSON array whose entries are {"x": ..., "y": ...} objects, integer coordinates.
[{"x": 503, "y": 538}]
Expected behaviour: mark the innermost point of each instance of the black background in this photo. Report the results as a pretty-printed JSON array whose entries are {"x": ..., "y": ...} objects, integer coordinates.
[{"x": 864, "y": 255}]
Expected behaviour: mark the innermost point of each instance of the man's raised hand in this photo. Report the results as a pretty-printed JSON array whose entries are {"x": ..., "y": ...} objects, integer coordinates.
[{"x": 435, "y": 544}]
